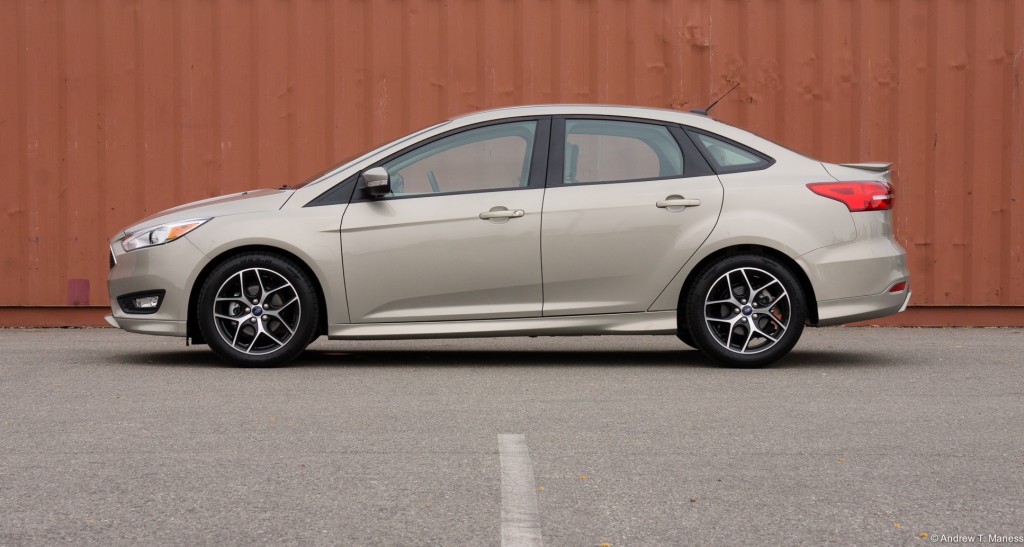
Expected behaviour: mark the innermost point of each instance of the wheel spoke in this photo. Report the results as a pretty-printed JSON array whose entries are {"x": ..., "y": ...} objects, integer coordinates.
[
  {"x": 750, "y": 334},
  {"x": 763, "y": 333},
  {"x": 253, "y": 343},
  {"x": 282, "y": 322},
  {"x": 290, "y": 302},
  {"x": 266, "y": 333},
  {"x": 238, "y": 329},
  {"x": 234, "y": 329},
  {"x": 750, "y": 287},
  {"x": 724, "y": 292},
  {"x": 775, "y": 301},
  {"x": 263, "y": 290}
]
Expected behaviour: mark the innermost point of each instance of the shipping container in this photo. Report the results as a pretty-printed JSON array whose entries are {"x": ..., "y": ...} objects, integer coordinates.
[{"x": 111, "y": 110}]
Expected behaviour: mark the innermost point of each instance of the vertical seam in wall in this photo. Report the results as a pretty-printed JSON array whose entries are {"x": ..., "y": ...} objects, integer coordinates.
[
  {"x": 101, "y": 202},
  {"x": 216, "y": 114},
  {"x": 330, "y": 104},
  {"x": 139, "y": 121},
  {"x": 30, "y": 252},
  {"x": 861, "y": 92},
  {"x": 968, "y": 289},
  {"x": 1006, "y": 158},
  {"x": 178, "y": 90},
  {"x": 711, "y": 55},
  {"x": 255, "y": 162},
  {"x": 70, "y": 238},
  {"x": 290, "y": 84},
  {"x": 517, "y": 54},
  {"x": 929, "y": 135}
]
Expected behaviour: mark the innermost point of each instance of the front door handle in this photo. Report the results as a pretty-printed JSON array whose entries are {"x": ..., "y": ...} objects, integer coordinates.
[
  {"x": 501, "y": 212},
  {"x": 677, "y": 201}
]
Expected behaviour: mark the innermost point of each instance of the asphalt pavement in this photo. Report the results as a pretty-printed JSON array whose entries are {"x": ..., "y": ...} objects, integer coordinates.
[{"x": 861, "y": 436}]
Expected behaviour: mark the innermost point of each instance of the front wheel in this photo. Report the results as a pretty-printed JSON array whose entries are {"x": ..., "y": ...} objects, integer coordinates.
[
  {"x": 746, "y": 311},
  {"x": 258, "y": 309}
]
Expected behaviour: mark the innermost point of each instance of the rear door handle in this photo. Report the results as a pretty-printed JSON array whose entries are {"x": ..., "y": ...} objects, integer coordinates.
[
  {"x": 502, "y": 213},
  {"x": 677, "y": 202}
]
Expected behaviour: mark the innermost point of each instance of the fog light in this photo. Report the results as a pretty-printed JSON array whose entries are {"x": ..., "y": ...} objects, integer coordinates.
[
  {"x": 147, "y": 302},
  {"x": 141, "y": 302}
]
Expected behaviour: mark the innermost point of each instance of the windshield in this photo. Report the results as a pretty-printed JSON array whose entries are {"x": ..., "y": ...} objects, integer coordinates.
[{"x": 349, "y": 161}]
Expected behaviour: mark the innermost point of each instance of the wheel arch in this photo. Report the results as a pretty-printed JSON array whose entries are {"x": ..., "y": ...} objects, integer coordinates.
[
  {"x": 192, "y": 331},
  {"x": 798, "y": 272}
]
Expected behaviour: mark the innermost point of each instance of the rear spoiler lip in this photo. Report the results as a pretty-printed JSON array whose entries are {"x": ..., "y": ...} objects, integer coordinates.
[{"x": 877, "y": 166}]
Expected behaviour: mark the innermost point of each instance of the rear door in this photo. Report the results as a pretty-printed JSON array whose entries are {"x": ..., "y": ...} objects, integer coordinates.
[{"x": 628, "y": 202}]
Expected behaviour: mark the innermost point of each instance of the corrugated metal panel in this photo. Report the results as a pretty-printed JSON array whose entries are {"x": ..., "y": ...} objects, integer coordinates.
[{"x": 114, "y": 109}]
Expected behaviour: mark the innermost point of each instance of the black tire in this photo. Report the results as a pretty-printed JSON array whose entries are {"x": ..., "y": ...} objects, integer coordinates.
[
  {"x": 274, "y": 301},
  {"x": 683, "y": 331},
  {"x": 740, "y": 291}
]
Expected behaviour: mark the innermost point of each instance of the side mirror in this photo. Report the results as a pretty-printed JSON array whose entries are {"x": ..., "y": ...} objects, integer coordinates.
[{"x": 376, "y": 181}]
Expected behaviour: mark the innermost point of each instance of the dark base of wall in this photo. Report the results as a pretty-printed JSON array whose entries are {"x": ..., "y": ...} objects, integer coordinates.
[{"x": 918, "y": 316}]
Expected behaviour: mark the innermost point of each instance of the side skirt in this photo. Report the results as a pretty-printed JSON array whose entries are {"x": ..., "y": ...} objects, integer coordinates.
[{"x": 660, "y": 322}]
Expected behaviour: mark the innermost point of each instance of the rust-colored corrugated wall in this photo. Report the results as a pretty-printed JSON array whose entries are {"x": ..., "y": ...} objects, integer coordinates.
[{"x": 114, "y": 109}]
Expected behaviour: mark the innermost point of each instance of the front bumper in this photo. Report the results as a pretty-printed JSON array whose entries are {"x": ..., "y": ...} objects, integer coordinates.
[{"x": 172, "y": 267}]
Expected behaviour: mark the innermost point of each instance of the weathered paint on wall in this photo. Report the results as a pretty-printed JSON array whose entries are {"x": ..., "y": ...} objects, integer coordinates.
[{"x": 113, "y": 109}]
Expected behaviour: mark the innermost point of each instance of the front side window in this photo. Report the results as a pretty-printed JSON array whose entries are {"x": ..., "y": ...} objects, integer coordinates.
[
  {"x": 487, "y": 158},
  {"x": 728, "y": 157},
  {"x": 617, "y": 151}
]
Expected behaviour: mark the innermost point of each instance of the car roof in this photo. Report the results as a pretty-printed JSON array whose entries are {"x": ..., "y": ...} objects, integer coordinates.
[{"x": 583, "y": 109}]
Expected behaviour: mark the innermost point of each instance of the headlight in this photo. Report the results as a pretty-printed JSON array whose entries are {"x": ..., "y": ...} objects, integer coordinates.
[{"x": 158, "y": 235}]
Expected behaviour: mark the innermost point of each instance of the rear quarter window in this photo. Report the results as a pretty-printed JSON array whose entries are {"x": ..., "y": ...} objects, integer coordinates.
[{"x": 727, "y": 156}]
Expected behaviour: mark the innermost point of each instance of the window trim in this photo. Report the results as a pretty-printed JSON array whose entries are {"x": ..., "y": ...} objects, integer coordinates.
[
  {"x": 768, "y": 160},
  {"x": 538, "y": 161},
  {"x": 694, "y": 164}
]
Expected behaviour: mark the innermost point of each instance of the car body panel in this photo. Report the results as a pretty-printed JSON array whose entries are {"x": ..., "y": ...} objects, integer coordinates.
[
  {"x": 310, "y": 234},
  {"x": 572, "y": 325},
  {"x": 233, "y": 204},
  {"x": 592, "y": 260},
  {"x": 173, "y": 267},
  {"x": 434, "y": 258}
]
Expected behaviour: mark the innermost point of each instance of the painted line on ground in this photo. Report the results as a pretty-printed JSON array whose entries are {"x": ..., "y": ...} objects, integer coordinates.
[{"x": 520, "y": 520}]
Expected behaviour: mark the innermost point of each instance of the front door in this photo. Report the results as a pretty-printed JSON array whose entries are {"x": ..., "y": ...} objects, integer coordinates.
[{"x": 458, "y": 237}]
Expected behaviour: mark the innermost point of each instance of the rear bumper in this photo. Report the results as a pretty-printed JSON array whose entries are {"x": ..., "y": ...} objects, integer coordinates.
[{"x": 861, "y": 308}]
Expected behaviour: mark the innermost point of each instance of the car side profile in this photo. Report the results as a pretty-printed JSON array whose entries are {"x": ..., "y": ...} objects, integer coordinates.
[{"x": 541, "y": 221}]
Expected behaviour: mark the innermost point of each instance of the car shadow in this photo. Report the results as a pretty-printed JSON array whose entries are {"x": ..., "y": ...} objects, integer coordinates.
[{"x": 684, "y": 357}]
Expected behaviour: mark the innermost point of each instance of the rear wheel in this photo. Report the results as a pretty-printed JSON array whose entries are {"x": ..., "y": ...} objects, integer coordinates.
[
  {"x": 746, "y": 311},
  {"x": 258, "y": 309}
]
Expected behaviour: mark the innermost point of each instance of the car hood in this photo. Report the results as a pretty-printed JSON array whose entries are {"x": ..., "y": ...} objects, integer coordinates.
[{"x": 251, "y": 201}]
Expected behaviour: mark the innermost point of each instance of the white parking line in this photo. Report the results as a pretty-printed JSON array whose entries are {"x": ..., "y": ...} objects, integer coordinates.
[{"x": 520, "y": 521}]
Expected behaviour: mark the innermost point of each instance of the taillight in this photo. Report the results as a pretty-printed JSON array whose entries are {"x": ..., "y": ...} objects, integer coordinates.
[{"x": 857, "y": 196}]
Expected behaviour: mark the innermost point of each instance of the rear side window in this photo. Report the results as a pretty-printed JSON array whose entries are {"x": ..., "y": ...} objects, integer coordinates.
[
  {"x": 727, "y": 156},
  {"x": 616, "y": 151}
]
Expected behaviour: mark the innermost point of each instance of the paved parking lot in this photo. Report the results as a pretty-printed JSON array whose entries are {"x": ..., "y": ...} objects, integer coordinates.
[{"x": 862, "y": 435}]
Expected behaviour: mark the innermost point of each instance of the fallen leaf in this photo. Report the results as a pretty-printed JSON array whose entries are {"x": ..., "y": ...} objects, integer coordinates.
[
  {"x": 693, "y": 500},
  {"x": 605, "y": 544},
  {"x": 841, "y": 460},
  {"x": 583, "y": 477},
  {"x": 895, "y": 525},
  {"x": 541, "y": 488},
  {"x": 924, "y": 534}
]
